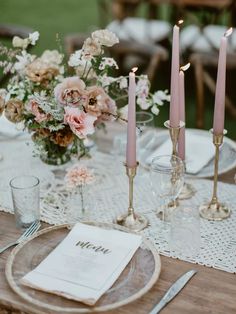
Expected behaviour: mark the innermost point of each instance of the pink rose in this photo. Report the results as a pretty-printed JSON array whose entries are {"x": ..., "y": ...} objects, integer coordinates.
[
  {"x": 81, "y": 123},
  {"x": 70, "y": 92},
  {"x": 34, "y": 108}
]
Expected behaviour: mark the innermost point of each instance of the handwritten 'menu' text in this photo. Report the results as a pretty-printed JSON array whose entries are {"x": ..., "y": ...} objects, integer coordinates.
[{"x": 90, "y": 246}]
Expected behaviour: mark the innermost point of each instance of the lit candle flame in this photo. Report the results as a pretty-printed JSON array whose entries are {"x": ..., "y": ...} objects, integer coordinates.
[
  {"x": 185, "y": 67},
  {"x": 228, "y": 32},
  {"x": 180, "y": 22},
  {"x": 134, "y": 69}
]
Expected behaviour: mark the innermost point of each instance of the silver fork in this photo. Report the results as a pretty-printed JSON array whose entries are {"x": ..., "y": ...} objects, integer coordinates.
[{"x": 28, "y": 232}]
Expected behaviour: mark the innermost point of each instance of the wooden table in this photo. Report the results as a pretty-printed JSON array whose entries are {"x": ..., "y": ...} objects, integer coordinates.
[{"x": 209, "y": 291}]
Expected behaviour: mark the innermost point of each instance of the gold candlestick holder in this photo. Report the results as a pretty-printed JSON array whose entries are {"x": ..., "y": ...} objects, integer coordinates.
[
  {"x": 214, "y": 210},
  {"x": 174, "y": 135},
  {"x": 131, "y": 220}
]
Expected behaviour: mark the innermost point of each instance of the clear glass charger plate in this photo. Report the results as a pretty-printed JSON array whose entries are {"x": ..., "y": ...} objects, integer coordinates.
[
  {"x": 227, "y": 159},
  {"x": 137, "y": 278}
]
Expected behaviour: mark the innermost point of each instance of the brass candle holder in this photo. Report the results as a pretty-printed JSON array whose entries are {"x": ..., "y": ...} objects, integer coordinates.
[
  {"x": 131, "y": 220},
  {"x": 174, "y": 135},
  {"x": 214, "y": 210}
]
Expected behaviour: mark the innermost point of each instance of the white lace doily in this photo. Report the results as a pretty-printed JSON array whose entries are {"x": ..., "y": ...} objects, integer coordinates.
[{"x": 110, "y": 198}]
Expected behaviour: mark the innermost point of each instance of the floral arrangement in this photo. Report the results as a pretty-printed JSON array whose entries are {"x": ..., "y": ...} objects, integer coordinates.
[{"x": 60, "y": 109}]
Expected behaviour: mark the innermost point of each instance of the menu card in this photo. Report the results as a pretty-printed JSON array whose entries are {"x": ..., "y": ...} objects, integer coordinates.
[{"x": 85, "y": 264}]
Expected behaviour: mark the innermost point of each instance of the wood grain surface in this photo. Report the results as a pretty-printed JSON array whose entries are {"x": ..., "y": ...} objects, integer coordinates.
[{"x": 209, "y": 291}]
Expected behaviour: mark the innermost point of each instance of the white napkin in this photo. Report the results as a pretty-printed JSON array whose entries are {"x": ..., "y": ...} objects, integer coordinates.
[
  {"x": 199, "y": 151},
  {"x": 85, "y": 264}
]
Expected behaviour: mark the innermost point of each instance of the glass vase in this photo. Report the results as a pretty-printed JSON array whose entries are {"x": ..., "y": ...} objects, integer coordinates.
[
  {"x": 54, "y": 154},
  {"x": 79, "y": 204}
]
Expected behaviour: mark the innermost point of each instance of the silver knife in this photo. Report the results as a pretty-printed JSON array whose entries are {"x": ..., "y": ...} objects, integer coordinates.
[{"x": 173, "y": 291}]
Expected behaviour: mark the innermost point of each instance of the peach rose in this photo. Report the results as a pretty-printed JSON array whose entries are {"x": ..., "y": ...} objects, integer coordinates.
[
  {"x": 98, "y": 103},
  {"x": 14, "y": 110},
  {"x": 40, "y": 72},
  {"x": 71, "y": 91},
  {"x": 109, "y": 112},
  {"x": 34, "y": 108},
  {"x": 81, "y": 123}
]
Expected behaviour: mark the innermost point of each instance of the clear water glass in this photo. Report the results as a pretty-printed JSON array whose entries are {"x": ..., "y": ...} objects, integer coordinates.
[
  {"x": 119, "y": 144},
  {"x": 185, "y": 236},
  {"x": 167, "y": 180},
  {"x": 144, "y": 120},
  {"x": 25, "y": 192}
]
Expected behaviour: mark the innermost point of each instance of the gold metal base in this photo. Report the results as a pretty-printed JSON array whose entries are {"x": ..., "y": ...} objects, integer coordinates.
[
  {"x": 214, "y": 211},
  {"x": 134, "y": 222},
  {"x": 187, "y": 192},
  {"x": 131, "y": 220}
]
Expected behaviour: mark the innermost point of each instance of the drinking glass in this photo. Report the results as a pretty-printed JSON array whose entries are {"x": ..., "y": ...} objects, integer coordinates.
[
  {"x": 185, "y": 231},
  {"x": 25, "y": 197},
  {"x": 143, "y": 121},
  {"x": 167, "y": 179}
]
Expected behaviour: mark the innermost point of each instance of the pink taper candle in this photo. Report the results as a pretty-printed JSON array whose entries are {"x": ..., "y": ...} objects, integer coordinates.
[
  {"x": 219, "y": 111},
  {"x": 174, "y": 84},
  {"x": 131, "y": 128},
  {"x": 181, "y": 141}
]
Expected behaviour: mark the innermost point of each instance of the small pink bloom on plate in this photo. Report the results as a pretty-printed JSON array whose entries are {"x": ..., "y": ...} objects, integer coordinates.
[
  {"x": 70, "y": 92},
  {"x": 81, "y": 123}
]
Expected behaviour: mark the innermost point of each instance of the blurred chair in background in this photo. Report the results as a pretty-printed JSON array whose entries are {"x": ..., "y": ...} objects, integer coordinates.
[
  {"x": 200, "y": 41},
  {"x": 127, "y": 26},
  {"x": 138, "y": 37}
]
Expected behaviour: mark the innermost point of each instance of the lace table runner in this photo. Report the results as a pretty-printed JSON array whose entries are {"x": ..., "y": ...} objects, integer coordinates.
[{"x": 110, "y": 198}]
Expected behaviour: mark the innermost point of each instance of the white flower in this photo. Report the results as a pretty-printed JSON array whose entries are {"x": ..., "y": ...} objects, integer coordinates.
[
  {"x": 23, "y": 43},
  {"x": 124, "y": 112},
  {"x": 91, "y": 47},
  {"x": 75, "y": 59},
  {"x": 123, "y": 83},
  {"x": 155, "y": 110},
  {"x": 105, "y": 37},
  {"x": 17, "y": 91},
  {"x": 52, "y": 57},
  {"x": 110, "y": 62},
  {"x": 160, "y": 96},
  {"x": 106, "y": 80},
  {"x": 143, "y": 103},
  {"x": 23, "y": 60},
  {"x": 33, "y": 37},
  {"x": 18, "y": 42},
  {"x": 142, "y": 87}
]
